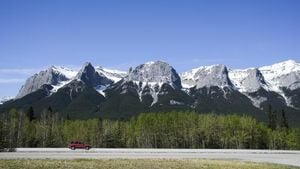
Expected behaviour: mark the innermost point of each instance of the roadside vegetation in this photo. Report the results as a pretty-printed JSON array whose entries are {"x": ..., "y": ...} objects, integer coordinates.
[
  {"x": 148, "y": 130},
  {"x": 137, "y": 164}
]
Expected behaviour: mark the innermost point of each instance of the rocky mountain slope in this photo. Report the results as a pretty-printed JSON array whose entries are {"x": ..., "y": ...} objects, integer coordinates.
[
  {"x": 55, "y": 76},
  {"x": 153, "y": 86}
]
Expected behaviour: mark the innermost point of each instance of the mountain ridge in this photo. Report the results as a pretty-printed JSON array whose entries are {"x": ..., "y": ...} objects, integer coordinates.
[
  {"x": 70, "y": 74},
  {"x": 156, "y": 86}
]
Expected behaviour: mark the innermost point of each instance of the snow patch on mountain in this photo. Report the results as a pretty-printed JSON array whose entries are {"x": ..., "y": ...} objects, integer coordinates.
[
  {"x": 188, "y": 78},
  {"x": 174, "y": 102},
  {"x": 100, "y": 89},
  {"x": 283, "y": 74},
  {"x": 280, "y": 69},
  {"x": 150, "y": 63},
  {"x": 287, "y": 100},
  {"x": 114, "y": 75},
  {"x": 257, "y": 101},
  {"x": 5, "y": 99},
  {"x": 206, "y": 76},
  {"x": 247, "y": 80},
  {"x": 58, "y": 86},
  {"x": 69, "y": 73},
  {"x": 154, "y": 90}
]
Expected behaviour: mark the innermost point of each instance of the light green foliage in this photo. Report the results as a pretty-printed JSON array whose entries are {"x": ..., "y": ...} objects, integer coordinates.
[{"x": 148, "y": 130}]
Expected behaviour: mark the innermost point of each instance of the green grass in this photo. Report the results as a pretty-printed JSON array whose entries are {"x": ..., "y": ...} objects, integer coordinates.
[{"x": 136, "y": 164}]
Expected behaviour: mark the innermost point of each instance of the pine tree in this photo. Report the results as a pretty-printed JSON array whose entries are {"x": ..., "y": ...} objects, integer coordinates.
[
  {"x": 50, "y": 110},
  {"x": 13, "y": 129},
  {"x": 30, "y": 113},
  {"x": 4, "y": 130},
  {"x": 272, "y": 118},
  {"x": 68, "y": 116},
  {"x": 284, "y": 122}
]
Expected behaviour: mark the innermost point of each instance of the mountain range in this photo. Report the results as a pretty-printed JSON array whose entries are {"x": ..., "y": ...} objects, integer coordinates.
[{"x": 157, "y": 87}]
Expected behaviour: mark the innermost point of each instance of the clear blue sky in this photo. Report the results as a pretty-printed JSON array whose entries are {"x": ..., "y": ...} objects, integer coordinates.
[{"x": 238, "y": 33}]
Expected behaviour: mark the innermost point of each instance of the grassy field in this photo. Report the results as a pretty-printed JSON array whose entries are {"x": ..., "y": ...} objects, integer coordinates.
[{"x": 136, "y": 164}]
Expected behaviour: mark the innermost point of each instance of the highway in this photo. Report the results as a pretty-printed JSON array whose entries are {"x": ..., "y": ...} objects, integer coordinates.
[{"x": 266, "y": 156}]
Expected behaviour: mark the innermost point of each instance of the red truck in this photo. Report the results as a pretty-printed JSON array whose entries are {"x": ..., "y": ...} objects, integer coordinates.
[{"x": 78, "y": 145}]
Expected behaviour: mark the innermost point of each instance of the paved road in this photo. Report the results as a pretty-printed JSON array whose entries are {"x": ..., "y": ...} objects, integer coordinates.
[{"x": 268, "y": 156}]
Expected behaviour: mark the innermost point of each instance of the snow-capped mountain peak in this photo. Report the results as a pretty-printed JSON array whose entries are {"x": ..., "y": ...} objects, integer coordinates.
[
  {"x": 54, "y": 75},
  {"x": 151, "y": 79},
  {"x": 247, "y": 80},
  {"x": 91, "y": 77},
  {"x": 280, "y": 69},
  {"x": 206, "y": 76},
  {"x": 155, "y": 71},
  {"x": 283, "y": 74}
]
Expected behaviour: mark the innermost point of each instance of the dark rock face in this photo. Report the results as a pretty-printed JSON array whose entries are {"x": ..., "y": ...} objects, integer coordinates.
[{"x": 91, "y": 77}]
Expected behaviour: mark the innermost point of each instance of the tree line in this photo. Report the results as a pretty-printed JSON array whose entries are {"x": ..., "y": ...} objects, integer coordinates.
[{"x": 148, "y": 130}]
